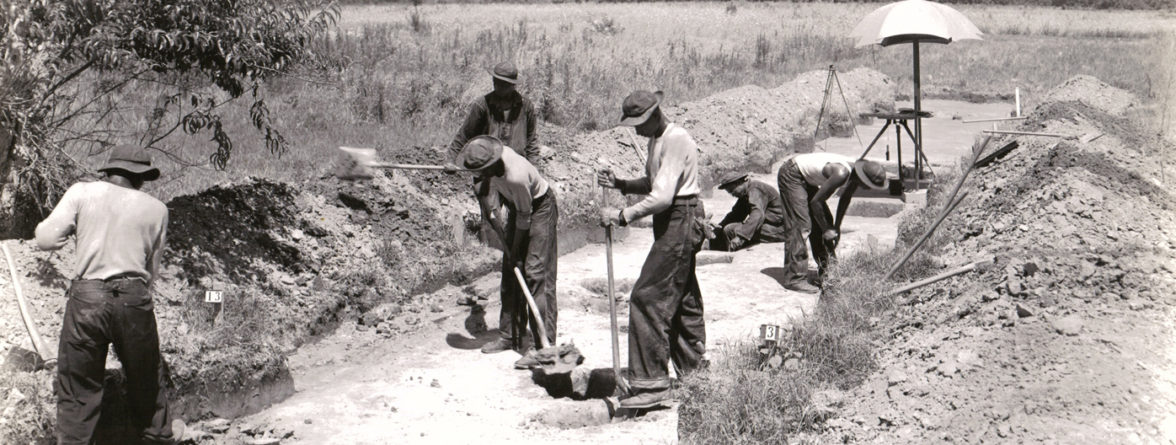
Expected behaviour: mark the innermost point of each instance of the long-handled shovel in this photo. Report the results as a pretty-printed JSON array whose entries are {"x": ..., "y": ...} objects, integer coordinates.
[
  {"x": 612, "y": 303},
  {"x": 38, "y": 344},
  {"x": 365, "y": 160},
  {"x": 555, "y": 360}
]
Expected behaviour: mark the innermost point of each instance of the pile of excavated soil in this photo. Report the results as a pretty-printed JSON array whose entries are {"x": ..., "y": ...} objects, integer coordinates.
[
  {"x": 293, "y": 260},
  {"x": 1068, "y": 339}
]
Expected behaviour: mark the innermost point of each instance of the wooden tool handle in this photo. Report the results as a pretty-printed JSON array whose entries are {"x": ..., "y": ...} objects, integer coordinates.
[
  {"x": 612, "y": 301},
  {"x": 38, "y": 344},
  {"x": 534, "y": 309}
]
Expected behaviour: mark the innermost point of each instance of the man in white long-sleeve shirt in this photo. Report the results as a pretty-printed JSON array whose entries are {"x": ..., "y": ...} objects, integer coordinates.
[
  {"x": 120, "y": 233},
  {"x": 665, "y": 310}
]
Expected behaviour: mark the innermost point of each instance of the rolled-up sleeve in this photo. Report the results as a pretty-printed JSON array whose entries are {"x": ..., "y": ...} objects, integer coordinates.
[{"x": 52, "y": 233}]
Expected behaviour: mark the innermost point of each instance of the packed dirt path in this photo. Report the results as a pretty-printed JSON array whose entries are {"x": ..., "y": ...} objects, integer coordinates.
[{"x": 434, "y": 386}]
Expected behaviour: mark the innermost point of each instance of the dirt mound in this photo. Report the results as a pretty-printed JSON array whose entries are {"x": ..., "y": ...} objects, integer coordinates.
[
  {"x": 1093, "y": 93},
  {"x": 1057, "y": 342},
  {"x": 294, "y": 260}
]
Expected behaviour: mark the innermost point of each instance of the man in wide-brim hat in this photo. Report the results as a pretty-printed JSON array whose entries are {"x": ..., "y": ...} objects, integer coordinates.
[
  {"x": 757, "y": 217},
  {"x": 665, "y": 309},
  {"x": 119, "y": 233},
  {"x": 504, "y": 179},
  {"x": 805, "y": 182},
  {"x": 503, "y": 113}
]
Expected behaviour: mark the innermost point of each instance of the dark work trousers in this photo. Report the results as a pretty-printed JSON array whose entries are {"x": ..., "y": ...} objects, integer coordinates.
[
  {"x": 98, "y": 314},
  {"x": 539, "y": 270},
  {"x": 797, "y": 194},
  {"x": 665, "y": 309}
]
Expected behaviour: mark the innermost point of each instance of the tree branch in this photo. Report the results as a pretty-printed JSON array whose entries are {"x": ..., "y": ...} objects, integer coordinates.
[{"x": 77, "y": 72}]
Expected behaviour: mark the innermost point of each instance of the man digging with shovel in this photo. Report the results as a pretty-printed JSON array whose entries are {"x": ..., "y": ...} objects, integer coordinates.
[
  {"x": 505, "y": 178},
  {"x": 665, "y": 309},
  {"x": 119, "y": 233}
]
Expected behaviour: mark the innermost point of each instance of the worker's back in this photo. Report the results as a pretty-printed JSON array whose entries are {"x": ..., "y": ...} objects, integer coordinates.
[{"x": 118, "y": 229}]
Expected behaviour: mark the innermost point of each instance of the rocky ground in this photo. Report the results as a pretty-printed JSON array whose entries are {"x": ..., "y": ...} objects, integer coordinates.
[
  {"x": 1068, "y": 338},
  {"x": 295, "y": 261}
]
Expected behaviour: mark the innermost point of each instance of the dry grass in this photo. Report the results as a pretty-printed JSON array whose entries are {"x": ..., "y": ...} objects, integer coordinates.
[
  {"x": 401, "y": 76},
  {"x": 740, "y": 399}
]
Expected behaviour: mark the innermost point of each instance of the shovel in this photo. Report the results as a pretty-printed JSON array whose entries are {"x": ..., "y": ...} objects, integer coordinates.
[
  {"x": 365, "y": 160},
  {"x": 612, "y": 302},
  {"x": 554, "y": 360}
]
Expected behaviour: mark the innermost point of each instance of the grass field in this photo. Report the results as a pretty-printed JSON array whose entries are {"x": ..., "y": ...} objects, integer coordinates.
[{"x": 401, "y": 76}]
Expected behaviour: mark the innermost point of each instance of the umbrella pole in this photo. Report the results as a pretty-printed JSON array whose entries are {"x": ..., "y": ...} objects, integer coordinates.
[{"x": 918, "y": 122}]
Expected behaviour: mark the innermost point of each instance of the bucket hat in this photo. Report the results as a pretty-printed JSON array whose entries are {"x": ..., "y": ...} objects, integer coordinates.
[
  {"x": 870, "y": 173},
  {"x": 505, "y": 72},
  {"x": 480, "y": 153},
  {"x": 133, "y": 159},
  {"x": 637, "y": 107}
]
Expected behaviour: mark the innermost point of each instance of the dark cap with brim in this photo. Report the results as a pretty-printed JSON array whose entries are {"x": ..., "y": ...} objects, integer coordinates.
[
  {"x": 505, "y": 72},
  {"x": 871, "y": 173},
  {"x": 131, "y": 159},
  {"x": 638, "y": 106},
  {"x": 479, "y": 153},
  {"x": 731, "y": 179}
]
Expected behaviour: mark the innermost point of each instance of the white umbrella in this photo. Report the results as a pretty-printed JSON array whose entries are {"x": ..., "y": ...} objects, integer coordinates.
[{"x": 914, "y": 21}]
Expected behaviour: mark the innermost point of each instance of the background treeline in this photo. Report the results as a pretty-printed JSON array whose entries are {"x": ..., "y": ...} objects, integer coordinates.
[{"x": 1077, "y": 4}]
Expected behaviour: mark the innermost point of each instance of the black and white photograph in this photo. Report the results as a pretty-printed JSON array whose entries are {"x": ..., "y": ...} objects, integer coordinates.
[{"x": 385, "y": 222}]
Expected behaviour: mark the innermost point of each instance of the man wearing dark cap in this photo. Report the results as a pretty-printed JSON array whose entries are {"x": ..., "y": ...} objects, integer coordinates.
[
  {"x": 665, "y": 309},
  {"x": 756, "y": 217},
  {"x": 119, "y": 236},
  {"x": 503, "y": 113},
  {"x": 806, "y": 181},
  {"x": 504, "y": 178}
]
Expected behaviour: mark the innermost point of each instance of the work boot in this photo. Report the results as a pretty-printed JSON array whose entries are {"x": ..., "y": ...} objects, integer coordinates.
[
  {"x": 802, "y": 286},
  {"x": 647, "y": 399},
  {"x": 527, "y": 361},
  {"x": 498, "y": 345}
]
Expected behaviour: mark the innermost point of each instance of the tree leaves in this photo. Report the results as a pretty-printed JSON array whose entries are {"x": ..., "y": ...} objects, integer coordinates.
[{"x": 227, "y": 44}]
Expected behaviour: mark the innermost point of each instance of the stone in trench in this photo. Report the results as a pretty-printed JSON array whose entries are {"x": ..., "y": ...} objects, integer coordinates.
[
  {"x": 1023, "y": 311},
  {"x": 895, "y": 377},
  {"x": 1070, "y": 325},
  {"x": 217, "y": 425}
]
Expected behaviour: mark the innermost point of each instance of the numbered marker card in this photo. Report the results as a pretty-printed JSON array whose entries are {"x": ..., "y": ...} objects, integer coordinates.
[
  {"x": 215, "y": 298},
  {"x": 769, "y": 333}
]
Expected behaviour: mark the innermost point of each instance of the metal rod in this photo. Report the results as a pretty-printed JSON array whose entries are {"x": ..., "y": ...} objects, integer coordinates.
[
  {"x": 943, "y": 276},
  {"x": 997, "y": 119},
  {"x": 1030, "y": 133},
  {"x": 918, "y": 121},
  {"x": 875, "y": 141},
  {"x": 947, "y": 211}
]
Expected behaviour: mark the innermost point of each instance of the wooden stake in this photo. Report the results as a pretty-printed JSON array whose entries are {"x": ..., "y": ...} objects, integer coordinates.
[{"x": 947, "y": 211}]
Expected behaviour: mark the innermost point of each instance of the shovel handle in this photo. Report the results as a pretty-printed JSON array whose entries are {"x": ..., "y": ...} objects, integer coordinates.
[
  {"x": 34, "y": 337},
  {"x": 612, "y": 301},
  {"x": 534, "y": 309}
]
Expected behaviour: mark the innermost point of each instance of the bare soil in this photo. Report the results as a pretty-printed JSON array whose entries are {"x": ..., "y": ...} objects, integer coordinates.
[
  {"x": 1068, "y": 338},
  {"x": 297, "y": 261}
]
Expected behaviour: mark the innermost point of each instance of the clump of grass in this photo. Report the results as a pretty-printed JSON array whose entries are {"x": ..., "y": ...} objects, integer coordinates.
[
  {"x": 741, "y": 398},
  {"x": 29, "y": 413}
]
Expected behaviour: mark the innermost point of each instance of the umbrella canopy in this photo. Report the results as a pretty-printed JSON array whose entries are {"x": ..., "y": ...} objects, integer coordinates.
[{"x": 913, "y": 20}]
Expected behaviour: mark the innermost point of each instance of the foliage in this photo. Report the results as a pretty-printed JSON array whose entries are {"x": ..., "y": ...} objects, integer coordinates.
[{"x": 64, "y": 65}]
